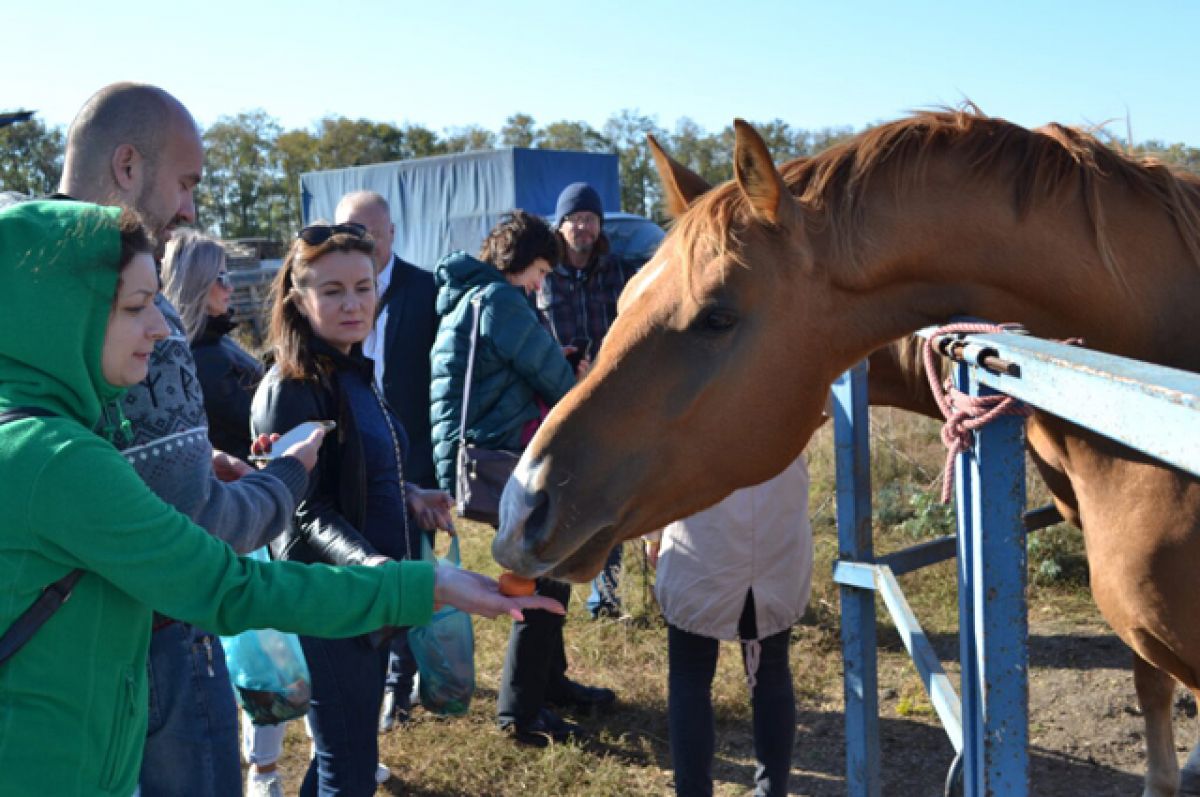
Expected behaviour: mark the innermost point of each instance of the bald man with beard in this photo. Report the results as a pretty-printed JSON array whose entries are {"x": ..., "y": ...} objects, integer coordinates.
[{"x": 136, "y": 146}]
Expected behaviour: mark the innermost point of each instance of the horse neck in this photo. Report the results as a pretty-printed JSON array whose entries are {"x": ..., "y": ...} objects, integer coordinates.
[
  {"x": 897, "y": 378},
  {"x": 954, "y": 245}
]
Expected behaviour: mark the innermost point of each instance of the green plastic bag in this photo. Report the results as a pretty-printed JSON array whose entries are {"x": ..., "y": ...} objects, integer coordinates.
[
  {"x": 445, "y": 651},
  {"x": 269, "y": 674}
]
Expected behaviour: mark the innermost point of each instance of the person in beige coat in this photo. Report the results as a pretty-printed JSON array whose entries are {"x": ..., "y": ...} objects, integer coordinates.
[{"x": 741, "y": 569}]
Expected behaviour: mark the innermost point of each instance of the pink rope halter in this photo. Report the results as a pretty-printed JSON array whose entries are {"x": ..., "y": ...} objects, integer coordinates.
[{"x": 964, "y": 413}]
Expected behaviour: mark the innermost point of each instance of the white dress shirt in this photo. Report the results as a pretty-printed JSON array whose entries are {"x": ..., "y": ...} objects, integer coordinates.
[{"x": 373, "y": 345}]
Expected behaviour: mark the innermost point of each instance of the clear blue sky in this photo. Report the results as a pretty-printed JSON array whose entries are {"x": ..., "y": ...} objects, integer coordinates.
[{"x": 448, "y": 63}]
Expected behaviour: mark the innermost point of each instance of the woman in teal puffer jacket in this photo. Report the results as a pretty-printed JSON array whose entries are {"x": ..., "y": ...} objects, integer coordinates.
[{"x": 517, "y": 361}]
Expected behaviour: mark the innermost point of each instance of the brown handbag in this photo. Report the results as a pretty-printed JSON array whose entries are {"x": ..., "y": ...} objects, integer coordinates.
[{"x": 480, "y": 473}]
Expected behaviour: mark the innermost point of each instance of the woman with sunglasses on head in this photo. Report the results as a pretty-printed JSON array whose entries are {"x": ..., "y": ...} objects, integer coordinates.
[
  {"x": 79, "y": 283},
  {"x": 359, "y": 509},
  {"x": 196, "y": 279}
]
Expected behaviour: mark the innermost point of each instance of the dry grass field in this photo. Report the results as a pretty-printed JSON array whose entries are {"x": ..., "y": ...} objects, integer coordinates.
[{"x": 1085, "y": 727}]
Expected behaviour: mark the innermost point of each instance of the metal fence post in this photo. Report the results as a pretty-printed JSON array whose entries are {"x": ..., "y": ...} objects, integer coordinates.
[
  {"x": 852, "y": 447},
  {"x": 993, "y": 618}
]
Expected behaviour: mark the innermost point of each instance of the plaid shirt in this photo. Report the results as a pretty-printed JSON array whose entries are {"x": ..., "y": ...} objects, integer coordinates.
[{"x": 582, "y": 303}]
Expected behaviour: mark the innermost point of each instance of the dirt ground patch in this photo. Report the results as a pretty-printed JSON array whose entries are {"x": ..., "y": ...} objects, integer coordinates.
[{"x": 1086, "y": 731}]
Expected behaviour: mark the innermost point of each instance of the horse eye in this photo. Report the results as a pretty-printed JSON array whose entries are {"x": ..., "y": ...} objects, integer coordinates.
[{"x": 717, "y": 320}]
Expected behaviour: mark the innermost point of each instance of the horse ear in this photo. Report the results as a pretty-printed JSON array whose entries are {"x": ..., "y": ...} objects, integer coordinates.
[
  {"x": 681, "y": 185},
  {"x": 758, "y": 178}
]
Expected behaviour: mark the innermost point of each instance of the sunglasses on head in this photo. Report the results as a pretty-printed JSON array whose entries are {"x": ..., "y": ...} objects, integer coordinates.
[{"x": 317, "y": 234}]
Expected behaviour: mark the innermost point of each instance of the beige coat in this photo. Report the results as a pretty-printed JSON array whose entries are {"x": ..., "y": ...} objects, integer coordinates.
[{"x": 759, "y": 537}]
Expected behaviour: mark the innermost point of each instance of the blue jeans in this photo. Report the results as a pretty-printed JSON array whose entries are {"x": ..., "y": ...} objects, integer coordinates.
[
  {"x": 402, "y": 665},
  {"x": 192, "y": 736},
  {"x": 692, "y": 660},
  {"x": 603, "y": 597},
  {"x": 401, "y": 668},
  {"x": 347, "y": 691}
]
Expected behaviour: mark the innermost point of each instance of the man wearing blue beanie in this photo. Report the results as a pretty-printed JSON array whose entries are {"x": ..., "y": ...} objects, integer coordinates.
[
  {"x": 579, "y": 297},
  {"x": 575, "y": 198}
]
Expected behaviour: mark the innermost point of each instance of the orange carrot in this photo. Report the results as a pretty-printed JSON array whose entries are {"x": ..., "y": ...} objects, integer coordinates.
[{"x": 514, "y": 586}]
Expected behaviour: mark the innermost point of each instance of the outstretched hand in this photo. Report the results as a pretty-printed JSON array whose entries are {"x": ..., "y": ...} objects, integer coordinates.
[{"x": 475, "y": 593}]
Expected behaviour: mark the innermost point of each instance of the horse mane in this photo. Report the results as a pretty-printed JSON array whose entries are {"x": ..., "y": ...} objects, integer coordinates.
[
  {"x": 1037, "y": 164},
  {"x": 910, "y": 357}
]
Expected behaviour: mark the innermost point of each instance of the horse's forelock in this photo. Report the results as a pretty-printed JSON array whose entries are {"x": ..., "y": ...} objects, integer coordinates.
[{"x": 711, "y": 231}]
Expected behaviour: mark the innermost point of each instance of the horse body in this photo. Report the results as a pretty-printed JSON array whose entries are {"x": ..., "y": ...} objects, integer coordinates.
[{"x": 716, "y": 371}]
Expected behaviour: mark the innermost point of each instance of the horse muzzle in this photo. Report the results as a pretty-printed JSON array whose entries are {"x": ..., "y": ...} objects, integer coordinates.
[{"x": 542, "y": 532}]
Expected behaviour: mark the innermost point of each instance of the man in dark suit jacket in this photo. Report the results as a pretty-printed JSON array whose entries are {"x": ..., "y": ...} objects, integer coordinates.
[
  {"x": 404, "y": 331},
  {"x": 399, "y": 344}
]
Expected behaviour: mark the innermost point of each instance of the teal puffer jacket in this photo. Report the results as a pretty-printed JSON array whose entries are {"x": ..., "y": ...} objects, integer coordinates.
[{"x": 516, "y": 360}]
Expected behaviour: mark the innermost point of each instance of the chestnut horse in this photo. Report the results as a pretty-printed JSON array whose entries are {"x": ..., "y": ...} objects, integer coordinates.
[{"x": 716, "y": 371}]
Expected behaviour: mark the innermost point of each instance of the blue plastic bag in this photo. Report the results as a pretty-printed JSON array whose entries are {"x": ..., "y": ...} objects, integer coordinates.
[
  {"x": 269, "y": 674},
  {"x": 445, "y": 651}
]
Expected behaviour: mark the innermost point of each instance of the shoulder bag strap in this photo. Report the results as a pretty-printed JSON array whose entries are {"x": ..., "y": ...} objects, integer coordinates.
[
  {"x": 18, "y": 413},
  {"x": 476, "y": 300},
  {"x": 53, "y": 596}
]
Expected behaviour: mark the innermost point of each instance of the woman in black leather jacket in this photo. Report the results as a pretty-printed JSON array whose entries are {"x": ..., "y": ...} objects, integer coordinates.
[
  {"x": 359, "y": 509},
  {"x": 196, "y": 281}
]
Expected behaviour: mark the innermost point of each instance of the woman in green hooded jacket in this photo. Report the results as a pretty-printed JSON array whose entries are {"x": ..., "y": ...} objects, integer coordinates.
[{"x": 78, "y": 285}]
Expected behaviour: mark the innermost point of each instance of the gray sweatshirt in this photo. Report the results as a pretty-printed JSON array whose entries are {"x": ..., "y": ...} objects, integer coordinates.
[{"x": 166, "y": 441}]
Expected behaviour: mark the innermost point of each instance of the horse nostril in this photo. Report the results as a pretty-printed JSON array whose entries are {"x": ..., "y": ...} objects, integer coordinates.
[{"x": 535, "y": 524}]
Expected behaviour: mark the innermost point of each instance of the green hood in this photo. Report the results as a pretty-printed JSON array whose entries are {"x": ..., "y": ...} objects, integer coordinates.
[{"x": 58, "y": 277}]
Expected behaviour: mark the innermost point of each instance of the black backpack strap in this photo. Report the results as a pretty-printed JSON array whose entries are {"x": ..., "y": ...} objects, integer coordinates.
[
  {"x": 17, "y": 413},
  {"x": 33, "y": 618},
  {"x": 53, "y": 596}
]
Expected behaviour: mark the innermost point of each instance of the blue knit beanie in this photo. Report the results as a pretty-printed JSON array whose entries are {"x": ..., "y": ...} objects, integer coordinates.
[{"x": 576, "y": 197}]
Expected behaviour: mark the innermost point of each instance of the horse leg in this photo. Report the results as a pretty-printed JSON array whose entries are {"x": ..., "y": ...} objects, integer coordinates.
[{"x": 1155, "y": 691}]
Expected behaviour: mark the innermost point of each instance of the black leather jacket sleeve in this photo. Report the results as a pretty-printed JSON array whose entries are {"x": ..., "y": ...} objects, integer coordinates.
[{"x": 323, "y": 528}]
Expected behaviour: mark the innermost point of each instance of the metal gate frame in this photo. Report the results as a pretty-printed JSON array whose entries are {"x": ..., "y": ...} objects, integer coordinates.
[{"x": 1140, "y": 405}]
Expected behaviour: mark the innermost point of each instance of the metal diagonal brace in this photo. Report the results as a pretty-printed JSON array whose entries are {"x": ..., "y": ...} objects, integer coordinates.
[{"x": 937, "y": 684}]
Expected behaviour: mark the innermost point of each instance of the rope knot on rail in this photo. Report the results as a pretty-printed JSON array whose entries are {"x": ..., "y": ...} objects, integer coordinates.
[{"x": 964, "y": 413}]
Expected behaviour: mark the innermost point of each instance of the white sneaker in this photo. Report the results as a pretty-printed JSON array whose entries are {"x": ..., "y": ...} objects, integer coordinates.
[
  {"x": 382, "y": 774},
  {"x": 269, "y": 786}
]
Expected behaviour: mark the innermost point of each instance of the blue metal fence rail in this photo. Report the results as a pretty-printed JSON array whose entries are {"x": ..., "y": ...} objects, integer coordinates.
[{"x": 1140, "y": 405}]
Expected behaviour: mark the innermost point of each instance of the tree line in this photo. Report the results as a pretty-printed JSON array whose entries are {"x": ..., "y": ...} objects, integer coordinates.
[{"x": 252, "y": 171}]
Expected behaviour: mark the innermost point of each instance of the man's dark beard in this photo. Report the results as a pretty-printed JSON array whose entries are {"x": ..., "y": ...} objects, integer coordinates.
[{"x": 156, "y": 227}]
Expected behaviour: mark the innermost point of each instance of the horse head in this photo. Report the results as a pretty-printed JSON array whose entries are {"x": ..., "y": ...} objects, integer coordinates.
[
  {"x": 701, "y": 386},
  {"x": 717, "y": 368}
]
